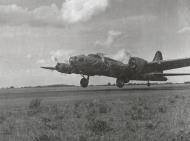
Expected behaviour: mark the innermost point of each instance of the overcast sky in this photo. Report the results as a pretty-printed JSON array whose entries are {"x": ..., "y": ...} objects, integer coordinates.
[{"x": 32, "y": 32}]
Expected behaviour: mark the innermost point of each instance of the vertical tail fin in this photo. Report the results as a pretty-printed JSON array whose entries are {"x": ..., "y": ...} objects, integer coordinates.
[{"x": 158, "y": 56}]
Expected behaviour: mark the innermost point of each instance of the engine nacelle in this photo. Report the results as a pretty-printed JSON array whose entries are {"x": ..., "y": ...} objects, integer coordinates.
[
  {"x": 64, "y": 68},
  {"x": 137, "y": 64}
]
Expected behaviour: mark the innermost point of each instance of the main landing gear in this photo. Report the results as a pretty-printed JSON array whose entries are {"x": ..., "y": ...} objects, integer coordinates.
[
  {"x": 120, "y": 83},
  {"x": 84, "y": 82}
]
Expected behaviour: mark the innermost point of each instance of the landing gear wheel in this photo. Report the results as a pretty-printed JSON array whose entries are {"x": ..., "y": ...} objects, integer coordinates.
[
  {"x": 120, "y": 83},
  {"x": 84, "y": 82}
]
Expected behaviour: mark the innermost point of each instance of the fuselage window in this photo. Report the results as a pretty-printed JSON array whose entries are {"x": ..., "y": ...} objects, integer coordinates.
[{"x": 81, "y": 60}]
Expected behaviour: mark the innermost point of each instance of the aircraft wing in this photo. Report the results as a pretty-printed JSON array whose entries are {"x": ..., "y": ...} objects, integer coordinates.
[
  {"x": 168, "y": 64},
  {"x": 170, "y": 74},
  {"x": 48, "y": 68}
]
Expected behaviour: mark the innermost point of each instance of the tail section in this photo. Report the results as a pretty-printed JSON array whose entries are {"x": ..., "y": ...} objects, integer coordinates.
[{"x": 158, "y": 56}]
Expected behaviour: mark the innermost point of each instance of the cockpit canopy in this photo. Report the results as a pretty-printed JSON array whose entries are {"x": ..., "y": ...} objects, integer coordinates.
[{"x": 95, "y": 55}]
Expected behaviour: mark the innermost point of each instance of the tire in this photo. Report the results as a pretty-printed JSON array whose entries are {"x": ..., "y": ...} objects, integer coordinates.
[
  {"x": 120, "y": 83},
  {"x": 148, "y": 84},
  {"x": 84, "y": 82}
]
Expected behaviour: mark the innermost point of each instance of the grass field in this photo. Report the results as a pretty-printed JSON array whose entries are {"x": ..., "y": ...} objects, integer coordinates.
[{"x": 129, "y": 117}]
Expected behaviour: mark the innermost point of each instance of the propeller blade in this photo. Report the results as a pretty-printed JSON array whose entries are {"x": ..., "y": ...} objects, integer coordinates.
[
  {"x": 49, "y": 68},
  {"x": 56, "y": 59}
]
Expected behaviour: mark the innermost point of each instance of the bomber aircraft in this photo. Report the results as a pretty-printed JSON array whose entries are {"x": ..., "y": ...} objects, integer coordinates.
[{"x": 136, "y": 68}]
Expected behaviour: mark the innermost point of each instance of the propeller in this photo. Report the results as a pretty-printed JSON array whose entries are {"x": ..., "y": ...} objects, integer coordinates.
[
  {"x": 63, "y": 67},
  {"x": 56, "y": 66},
  {"x": 55, "y": 59},
  {"x": 123, "y": 56}
]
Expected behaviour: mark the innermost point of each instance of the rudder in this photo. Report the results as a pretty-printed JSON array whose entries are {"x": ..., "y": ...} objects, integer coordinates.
[{"x": 158, "y": 56}]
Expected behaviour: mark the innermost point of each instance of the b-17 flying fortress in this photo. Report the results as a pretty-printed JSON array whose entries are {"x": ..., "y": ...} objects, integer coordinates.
[{"x": 136, "y": 68}]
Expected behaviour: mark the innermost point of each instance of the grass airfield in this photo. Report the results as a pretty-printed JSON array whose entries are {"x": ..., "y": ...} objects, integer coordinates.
[{"x": 98, "y": 113}]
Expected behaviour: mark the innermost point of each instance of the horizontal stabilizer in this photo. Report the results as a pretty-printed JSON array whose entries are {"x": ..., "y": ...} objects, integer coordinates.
[
  {"x": 162, "y": 65},
  {"x": 170, "y": 74},
  {"x": 49, "y": 68}
]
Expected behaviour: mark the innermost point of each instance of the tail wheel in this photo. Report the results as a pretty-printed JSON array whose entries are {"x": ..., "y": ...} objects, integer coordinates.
[
  {"x": 120, "y": 83},
  {"x": 84, "y": 82},
  {"x": 148, "y": 84}
]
